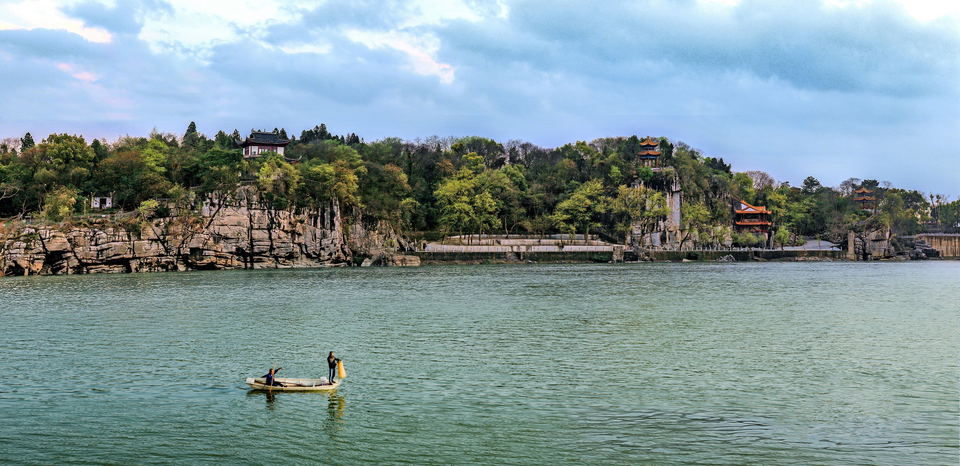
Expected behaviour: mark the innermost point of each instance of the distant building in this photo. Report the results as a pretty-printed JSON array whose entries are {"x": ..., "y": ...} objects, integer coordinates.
[
  {"x": 865, "y": 199},
  {"x": 649, "y": 153},
  {"x": 755, "y": 219},
  {"x": 260, "y": 143},
  {"x": 101, "y": 202}
]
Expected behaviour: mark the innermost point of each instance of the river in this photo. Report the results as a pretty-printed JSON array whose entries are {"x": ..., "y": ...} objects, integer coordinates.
[{"x": 785, "y": 363}]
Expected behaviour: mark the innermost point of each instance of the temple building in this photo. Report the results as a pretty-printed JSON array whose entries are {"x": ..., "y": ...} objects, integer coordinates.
[
  {"x": 865, "y": 199},
  {"x": 259, "y": 143},
  {"x": 649, "y": 153},
  {"x": 755, "y": 219}
]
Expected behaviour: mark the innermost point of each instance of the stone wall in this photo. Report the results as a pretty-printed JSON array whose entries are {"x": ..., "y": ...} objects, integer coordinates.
[
  {"x": 947, "y": 244},
  {"x": 241, "y": 235}
]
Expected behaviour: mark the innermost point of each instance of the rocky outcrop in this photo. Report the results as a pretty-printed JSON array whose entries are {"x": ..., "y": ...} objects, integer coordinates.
[{"x": 242, "y": 235}]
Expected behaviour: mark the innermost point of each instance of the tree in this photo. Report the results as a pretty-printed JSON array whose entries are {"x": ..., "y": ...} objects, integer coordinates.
[
  {"x": 455, "y": 200},
  {"x": 502, "y": 188},
  {"x": 848, "y": 186},
  {"x": 810, "y": 185},
  {"x": 782, "y": 236},
  {"x": 26, "y": 142},
  {"x": 278, "y": 181},
  {"x": 638, "y": 206},
  {"x": 694, "y": 217},
  {"x": 328, "y": 181},
  {"x": 761, "y": 180},
  {"x": 59, "y": 203},
  {"x": 100, "y": 150},
  {"x": 581, "y": 211},
  {"x": 191, "y": 138}
]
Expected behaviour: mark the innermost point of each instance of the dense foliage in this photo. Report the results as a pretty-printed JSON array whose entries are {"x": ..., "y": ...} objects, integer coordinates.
[{"x": 453, "y": 186}]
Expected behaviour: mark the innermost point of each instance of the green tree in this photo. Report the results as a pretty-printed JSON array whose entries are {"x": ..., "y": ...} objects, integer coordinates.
[
  {"x": 59, "y": 203},
  {"x": 278, "y": 181},
  {"x": 328, "y": 181},
  {"x": 191, "y": 138},
  {"x": 582, "y": 210},
  {"x": 695, "y": 217},
  {"x": 638, "y": 206},
  {"x": 26, "y": 142},
  {"x": 810, "y": 185},
  {"x": 455, "y": 200}
]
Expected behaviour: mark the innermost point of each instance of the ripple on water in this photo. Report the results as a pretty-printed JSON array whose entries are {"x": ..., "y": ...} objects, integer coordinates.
[{"x": 818, "y": 363}]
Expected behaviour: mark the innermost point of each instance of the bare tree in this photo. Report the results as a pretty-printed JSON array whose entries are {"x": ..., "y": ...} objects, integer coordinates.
[
  {"x": 847, "y": 186},
  {"x": 761, "y": 180}
]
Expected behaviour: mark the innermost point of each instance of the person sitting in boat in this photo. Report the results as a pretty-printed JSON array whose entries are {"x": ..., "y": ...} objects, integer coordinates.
[
  {"x": 332, "y": 364},
  {"x": 271, "y": 382}
]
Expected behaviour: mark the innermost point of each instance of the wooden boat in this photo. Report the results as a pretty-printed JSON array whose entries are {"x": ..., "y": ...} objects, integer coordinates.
[{"x": 292, "y": 385}]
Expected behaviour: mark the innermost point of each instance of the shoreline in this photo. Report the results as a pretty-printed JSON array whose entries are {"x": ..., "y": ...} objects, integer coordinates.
[{"x": 490, "y": 261}]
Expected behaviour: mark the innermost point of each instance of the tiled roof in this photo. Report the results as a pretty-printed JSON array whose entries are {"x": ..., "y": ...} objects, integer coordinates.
[
  {"x": 649, "y": 142},
  {"x": 751, "y": 209},
  {"x": 264, "y": 138}
]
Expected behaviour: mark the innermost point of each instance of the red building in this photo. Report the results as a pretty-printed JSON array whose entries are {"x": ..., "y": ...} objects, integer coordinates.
[
  {"x": 755, "y": 219},
  {"x": 865, "y": 199},
  {"x": 649, "y": 153},
  {"x": 259, "y": 143}
]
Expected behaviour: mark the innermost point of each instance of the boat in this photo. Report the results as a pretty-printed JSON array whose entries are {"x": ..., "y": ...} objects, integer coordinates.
[{"x": 292, "y": 385}]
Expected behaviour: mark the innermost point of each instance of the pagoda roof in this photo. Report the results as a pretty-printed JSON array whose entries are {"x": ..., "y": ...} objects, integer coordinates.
[
  {"x": 745, "y": 208},
  {"x": 263, "y": 138},
  {"x": 649, "y": 142},
  {"x": 753, "y": 222},
  {"x": 865, "y": 198},
  {"x": 863, "y": 190},
  {"x": 649, "y": 154}
]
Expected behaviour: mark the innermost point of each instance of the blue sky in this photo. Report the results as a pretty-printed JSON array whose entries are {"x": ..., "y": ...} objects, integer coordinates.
[{"x": 833, "y": 89}]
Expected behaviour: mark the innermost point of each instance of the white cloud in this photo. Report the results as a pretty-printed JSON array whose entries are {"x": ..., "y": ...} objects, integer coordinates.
[
  {"x": 921, "y": 10},
  {"x": 431, "y": 12},
  {"x": 195, "y": 26},
  {"x": 420, "y": 50},
  {"x": 47, "y": 14}
]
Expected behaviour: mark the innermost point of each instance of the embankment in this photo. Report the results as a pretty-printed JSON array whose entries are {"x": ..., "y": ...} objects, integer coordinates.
[
  {"x": 241, "y": 235},
  {"x": 474, "y": 257}
]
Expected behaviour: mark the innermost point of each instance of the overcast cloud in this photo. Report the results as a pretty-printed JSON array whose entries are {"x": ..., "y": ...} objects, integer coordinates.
[{"x": 834, "y": 89}]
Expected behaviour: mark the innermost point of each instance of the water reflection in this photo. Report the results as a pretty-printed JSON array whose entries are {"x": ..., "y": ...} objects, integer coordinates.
[
  {"x": 336, "y": 406},
  {"x": 336, "y": 402}
]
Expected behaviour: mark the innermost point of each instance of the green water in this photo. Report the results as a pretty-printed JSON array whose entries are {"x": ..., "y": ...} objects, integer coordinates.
[{"x": 667, "y": 363}]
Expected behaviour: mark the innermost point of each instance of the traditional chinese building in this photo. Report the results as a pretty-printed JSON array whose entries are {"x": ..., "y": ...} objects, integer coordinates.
[
  {"x": 865, "y": 199},
  {"x": 260, "y": 143},
  {"x": 649, "y": 153},
  {"x": 755, "y": 219}
]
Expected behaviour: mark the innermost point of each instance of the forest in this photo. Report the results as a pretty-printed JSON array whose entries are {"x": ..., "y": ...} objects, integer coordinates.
[{"x": 439, "y": 186}]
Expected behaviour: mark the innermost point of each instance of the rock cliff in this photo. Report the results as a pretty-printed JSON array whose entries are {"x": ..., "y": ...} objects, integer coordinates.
[{"x": 219, "y": 236}]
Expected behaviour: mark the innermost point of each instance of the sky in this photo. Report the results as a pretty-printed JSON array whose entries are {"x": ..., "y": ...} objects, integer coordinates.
[{"x": 828, "y": 88}]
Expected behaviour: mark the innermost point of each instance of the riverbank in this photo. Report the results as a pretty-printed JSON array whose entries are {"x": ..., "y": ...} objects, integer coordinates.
[{"x": 491, "y": 257}]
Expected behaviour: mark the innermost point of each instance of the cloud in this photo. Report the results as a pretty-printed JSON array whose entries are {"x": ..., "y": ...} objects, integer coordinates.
[
  {"x": 796, "y": 88},
  {"x": 47, "y": 14},
  {"x": 76, "y": 73}
]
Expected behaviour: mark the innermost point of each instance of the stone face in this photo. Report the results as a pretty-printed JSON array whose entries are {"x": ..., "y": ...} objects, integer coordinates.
[{"x": 230, "y": 237}]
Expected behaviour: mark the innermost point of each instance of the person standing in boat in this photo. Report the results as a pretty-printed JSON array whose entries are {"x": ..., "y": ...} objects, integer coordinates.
[
  {"x": 332, "y": 365},
  {"x": 271, "y": 381}
]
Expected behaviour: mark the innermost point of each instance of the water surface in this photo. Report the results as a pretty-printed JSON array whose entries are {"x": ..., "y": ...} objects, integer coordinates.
[{"x": 709, "y": 363}]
